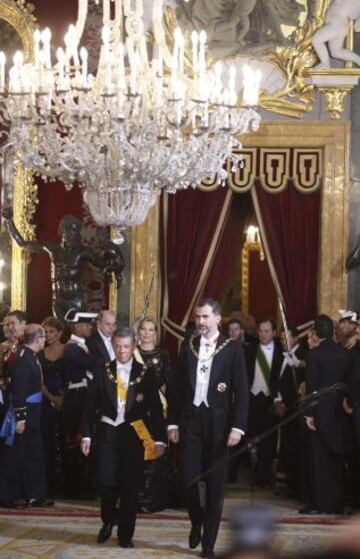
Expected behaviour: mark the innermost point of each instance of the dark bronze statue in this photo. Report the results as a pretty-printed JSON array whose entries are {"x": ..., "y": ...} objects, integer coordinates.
[
  {"x": 353, "y": 260},
  {"x": 67, "y": 259}
]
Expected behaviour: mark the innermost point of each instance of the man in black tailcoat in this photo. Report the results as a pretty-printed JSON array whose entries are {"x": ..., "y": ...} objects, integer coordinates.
[
  {"x": 22, "y": 466},
  {"x": 125, "y": 406},
  {"x": 326, "y": 365},
  {"x": 263, "y": 362},
  {"x": 99, "y": 342},
  {"x": 291, "y": 376},
  {"x": 207, "y": 415}
]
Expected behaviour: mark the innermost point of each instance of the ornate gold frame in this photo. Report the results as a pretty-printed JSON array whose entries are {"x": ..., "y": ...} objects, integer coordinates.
[
  {"x": 18, "y": 14},
  {"x": 334, "y": 139}
]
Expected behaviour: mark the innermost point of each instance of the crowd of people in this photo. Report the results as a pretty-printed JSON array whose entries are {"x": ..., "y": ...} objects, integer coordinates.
[{"x": 74, "y": 396}]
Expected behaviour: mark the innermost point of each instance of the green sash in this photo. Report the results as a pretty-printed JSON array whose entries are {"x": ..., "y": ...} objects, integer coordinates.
[{"x": 264, "y": 365}]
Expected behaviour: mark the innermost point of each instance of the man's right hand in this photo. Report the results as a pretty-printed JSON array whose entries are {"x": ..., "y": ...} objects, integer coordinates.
[
  {"x": 173, "y": 435},
  {"x": 7, "y": 212},
  {"x": 85, "y": 446}
]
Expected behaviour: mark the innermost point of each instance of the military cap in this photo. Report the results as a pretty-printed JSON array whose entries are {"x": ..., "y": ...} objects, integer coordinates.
[{"x": 74, "y": 316}]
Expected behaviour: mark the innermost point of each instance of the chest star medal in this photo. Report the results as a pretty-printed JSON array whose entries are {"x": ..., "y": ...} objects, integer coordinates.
[
  {"x": 221, "y": 387},
  {"x": 140, "y": 397}
]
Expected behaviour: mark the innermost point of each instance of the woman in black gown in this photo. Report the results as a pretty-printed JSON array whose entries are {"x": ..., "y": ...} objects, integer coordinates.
[
  {"x": 51, "y": 360},
  {"x": 154, "y": 493}
]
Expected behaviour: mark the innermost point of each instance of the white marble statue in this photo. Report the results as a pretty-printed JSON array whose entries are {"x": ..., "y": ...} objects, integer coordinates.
[{"x": 330, "y": 39}]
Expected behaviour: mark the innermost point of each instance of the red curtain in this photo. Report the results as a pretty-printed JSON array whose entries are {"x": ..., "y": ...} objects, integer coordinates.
[
  {"x": 229, "y": 247},
  {"x": 191, "y": 225},
  {"x": 291, "y": 223}
]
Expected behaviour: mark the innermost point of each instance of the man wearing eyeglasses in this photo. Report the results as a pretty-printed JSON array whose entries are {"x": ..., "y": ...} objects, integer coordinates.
[{"x": 22, "y": 466}]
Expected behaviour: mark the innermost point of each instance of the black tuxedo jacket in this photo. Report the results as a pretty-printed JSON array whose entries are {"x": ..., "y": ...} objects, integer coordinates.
[
  {"x": 142, "y": 402},
  {"x": 326, "y": 365},
  {"x": 251, "y": 351},
  {"x": 98, "y": 349},
  {"x": 227, "y": 393}
]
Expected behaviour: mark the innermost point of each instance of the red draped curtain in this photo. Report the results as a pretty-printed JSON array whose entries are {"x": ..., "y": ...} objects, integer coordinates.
[
  {"x": 290, "y": 227},
  {"x": 201, "y": 239}
]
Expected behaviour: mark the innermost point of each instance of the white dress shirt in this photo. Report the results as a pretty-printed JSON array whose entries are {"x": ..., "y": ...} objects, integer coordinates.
[
  {"x": 206, "y": 350},
  {"x": 123, "y": 372},
  {"x": 259, "y": 385},
  {"x": 108, "y": 345}
]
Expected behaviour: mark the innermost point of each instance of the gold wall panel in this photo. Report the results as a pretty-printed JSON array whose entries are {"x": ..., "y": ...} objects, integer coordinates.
[{"x": 145, "y": 261}]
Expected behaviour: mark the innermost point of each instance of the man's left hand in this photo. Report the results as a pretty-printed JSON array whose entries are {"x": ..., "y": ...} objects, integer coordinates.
[
  {"x": 234, "y": 438},
  {"x": 159, "y": 450}
]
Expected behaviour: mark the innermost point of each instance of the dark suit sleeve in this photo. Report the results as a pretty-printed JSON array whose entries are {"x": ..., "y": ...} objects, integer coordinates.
[
  {"x": 177, "y": 388},
  {"x": 92, "y": 406},
  {"x": 20, "y": 372},
  {"x": 240, "y": 389},
  {"x": 313, "y": 381},
  {"x": 155, "y": 408}
]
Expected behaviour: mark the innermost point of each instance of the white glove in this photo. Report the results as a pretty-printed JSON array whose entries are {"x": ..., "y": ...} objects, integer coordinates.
[{"x": 293, "y": 361}]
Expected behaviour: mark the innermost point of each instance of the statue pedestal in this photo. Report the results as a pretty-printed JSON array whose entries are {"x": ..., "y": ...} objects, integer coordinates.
[{"x": 334, "y": 84}]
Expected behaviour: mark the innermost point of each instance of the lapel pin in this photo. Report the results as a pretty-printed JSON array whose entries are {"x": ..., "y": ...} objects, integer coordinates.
[{"x": 221, "y": 387}]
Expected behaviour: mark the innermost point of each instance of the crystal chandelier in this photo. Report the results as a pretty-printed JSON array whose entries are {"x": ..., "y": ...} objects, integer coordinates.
[{"x": 139, "y": 126}]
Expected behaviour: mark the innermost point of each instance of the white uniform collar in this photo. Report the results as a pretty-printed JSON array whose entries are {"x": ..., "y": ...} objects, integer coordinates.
[
  {"x": 125, "y": 366},
  {"x": 211, "y": 340}
]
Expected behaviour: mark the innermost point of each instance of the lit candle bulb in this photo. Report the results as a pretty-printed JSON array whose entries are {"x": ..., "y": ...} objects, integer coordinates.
[
  {"x": 84, "y": 62},
  {"x": 195, "y": 40},
  {"x": 232, "y": 82},
  {"x": 202, "y": 61},
  {"x": 105, "y": 35},
  {"x": 2, "y": 70},
  {"x": 46, "y": 37},
  {"x": 60, "y": 54},
  {"x": 251, "y": 84},
  {"x": 37, "y": 38}
]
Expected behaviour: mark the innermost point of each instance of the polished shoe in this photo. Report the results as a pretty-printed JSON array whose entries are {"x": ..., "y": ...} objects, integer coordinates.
[
  {"x": 40, "y": 503},
  {"x": 310, "y": 509},
  {"x": 105, "y": 532},
  {"x": 127, "y": 545},
  {"x": 9, "y": 505},
  {"x": 207, "y": 552},
  {"x": 195, "y": 535}
]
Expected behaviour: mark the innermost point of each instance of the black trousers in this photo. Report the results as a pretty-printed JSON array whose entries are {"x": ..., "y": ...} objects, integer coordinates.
[
  {"x": 200, "y": 449},
  {"x": 329, "y": 477},
  {"x": 22, "y": 467},
  {"x": 260, "y": 419},
  {"x": 119, "y": 463},
  {"x": 290, "y": 455}
]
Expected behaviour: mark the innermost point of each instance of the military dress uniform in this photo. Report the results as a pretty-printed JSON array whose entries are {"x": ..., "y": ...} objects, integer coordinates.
[
  {"x": 125, "y": 407},
  {"x": 78, "y": 367},
  {"x": 22, "y": 467}
]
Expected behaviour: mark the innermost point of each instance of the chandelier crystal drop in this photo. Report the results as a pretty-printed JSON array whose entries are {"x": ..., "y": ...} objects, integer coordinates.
[{"x": 139, "y": 126}]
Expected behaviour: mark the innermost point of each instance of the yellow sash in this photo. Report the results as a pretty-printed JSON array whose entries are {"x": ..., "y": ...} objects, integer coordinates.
[
  {"x": 121, "y": 389},
  {"x": 145, "y": 437}
]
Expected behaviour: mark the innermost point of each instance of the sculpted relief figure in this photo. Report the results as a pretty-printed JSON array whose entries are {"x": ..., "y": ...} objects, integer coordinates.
[
  {"x": 67, "y": 259},
  {"x": 329, "y": 39},
  {"x": 235, "y": 26}
]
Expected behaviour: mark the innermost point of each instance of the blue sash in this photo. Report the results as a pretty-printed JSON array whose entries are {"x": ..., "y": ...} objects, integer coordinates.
[{"x": 8, "y": 427}]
